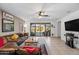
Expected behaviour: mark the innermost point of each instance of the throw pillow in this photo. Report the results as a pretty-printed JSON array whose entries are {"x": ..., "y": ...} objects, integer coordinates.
[
  {"x": 15, "y": 37},
  {"x": 2, "y": 42}
]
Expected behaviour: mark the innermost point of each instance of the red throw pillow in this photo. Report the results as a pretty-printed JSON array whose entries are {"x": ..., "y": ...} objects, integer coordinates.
[
  {"x": 1, "y": 41},
  {"x": 30, "y": 50}
]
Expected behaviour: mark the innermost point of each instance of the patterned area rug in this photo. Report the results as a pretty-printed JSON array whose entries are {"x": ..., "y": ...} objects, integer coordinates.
[
  {"x": 42, "y": 52},
  {"x": 20, "y": 52}
]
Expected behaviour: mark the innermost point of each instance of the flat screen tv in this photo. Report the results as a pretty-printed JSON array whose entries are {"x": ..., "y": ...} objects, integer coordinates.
[{"x": 72, "y": 25}]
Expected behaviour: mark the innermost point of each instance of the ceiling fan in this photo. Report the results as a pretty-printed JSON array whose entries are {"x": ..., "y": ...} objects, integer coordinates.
[{"x": 42, "y": 13}]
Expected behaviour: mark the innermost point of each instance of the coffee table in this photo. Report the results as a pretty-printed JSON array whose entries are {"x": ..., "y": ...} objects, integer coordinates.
[{"x": 31, "y": 43}]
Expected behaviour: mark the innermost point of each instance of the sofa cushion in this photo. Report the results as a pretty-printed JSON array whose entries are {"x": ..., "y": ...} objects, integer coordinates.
[
  {"x": 20, "y": 34},
  {"x": 26, "y": 34},
  {"x": 11, "y": 45}
]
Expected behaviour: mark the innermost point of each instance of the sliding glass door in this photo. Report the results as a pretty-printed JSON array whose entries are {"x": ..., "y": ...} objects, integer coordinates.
[
  {"x": 48, "y": 30},
  {"x": 33, "y": 29},
  {"x": 42, "y": 32},
  {"x": 40, "y": 29},
  {"x": 37, "y": 30}
]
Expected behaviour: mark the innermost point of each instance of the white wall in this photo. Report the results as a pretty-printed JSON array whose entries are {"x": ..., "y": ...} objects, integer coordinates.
[
  {"x": 42, "y": 20},
  {"x": 59, "y": 28},
  {"x": 17, "y": 22},
  {"x": 71, "y": 16},
  {"x": 54, "y": 30}
]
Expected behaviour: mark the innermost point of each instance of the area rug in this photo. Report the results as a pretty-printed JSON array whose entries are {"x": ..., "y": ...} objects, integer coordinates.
[{"x": 20, "y": 52}]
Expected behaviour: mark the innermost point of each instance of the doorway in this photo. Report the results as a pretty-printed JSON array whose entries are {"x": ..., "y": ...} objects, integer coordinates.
[
  {"x": 40, "y": 29},
  {"x": 59, "y": 29}
]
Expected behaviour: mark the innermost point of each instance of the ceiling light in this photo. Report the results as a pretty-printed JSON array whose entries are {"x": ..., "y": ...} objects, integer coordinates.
[
  {"x": 25, "y": 25},
  {"x": 42, "y": 13},
  {"x": 40, "y": 17}
]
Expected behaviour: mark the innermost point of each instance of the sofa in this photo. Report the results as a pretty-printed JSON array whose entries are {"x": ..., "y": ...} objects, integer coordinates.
[{"x": 8, "y": 46}]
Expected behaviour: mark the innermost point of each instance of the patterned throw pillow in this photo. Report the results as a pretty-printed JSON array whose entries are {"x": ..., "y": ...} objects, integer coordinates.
[
  {"x": 5, "y": 40},
  {"x": 8, "y": 38},
  {"x": 2, "y": 41},
  {"x": 15, "y": 37}
]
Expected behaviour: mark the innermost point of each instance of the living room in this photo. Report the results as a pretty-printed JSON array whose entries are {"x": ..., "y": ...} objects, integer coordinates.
[
  {"x": 39, "y": 28},
  {"x": 15, "y": 34}
]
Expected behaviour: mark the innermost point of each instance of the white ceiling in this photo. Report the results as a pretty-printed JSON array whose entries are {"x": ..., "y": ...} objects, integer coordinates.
[{"x": 28, "y": 10}]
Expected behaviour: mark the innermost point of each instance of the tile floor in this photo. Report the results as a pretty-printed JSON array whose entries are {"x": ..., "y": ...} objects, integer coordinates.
[{"x": 58, "y": 47}]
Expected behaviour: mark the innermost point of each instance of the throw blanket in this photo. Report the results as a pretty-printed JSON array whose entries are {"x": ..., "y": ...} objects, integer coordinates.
[
  {"x": 31, "y": 50},
  {"x": 21, "y": 40}
]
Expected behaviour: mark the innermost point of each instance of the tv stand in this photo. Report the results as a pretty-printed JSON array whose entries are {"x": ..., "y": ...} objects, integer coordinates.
[{"x": 70, "y": 39}]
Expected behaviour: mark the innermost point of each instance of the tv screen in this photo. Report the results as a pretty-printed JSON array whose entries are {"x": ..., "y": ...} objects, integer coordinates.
[{"x": 72, "y": 25}]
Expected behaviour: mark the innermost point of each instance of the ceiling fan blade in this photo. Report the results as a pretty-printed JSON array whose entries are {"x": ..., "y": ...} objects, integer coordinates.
[{"x": 45, "y": 15}]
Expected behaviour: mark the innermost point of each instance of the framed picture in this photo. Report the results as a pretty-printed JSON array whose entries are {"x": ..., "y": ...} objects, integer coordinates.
[{"x": 7, "y": 22}]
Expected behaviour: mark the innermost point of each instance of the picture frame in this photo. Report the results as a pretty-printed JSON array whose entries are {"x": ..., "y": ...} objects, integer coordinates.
[{"x": 7, "y": 22}]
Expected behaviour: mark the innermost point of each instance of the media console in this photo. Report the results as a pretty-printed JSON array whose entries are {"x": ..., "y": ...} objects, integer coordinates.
[{"x": 70, "y": 38}]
